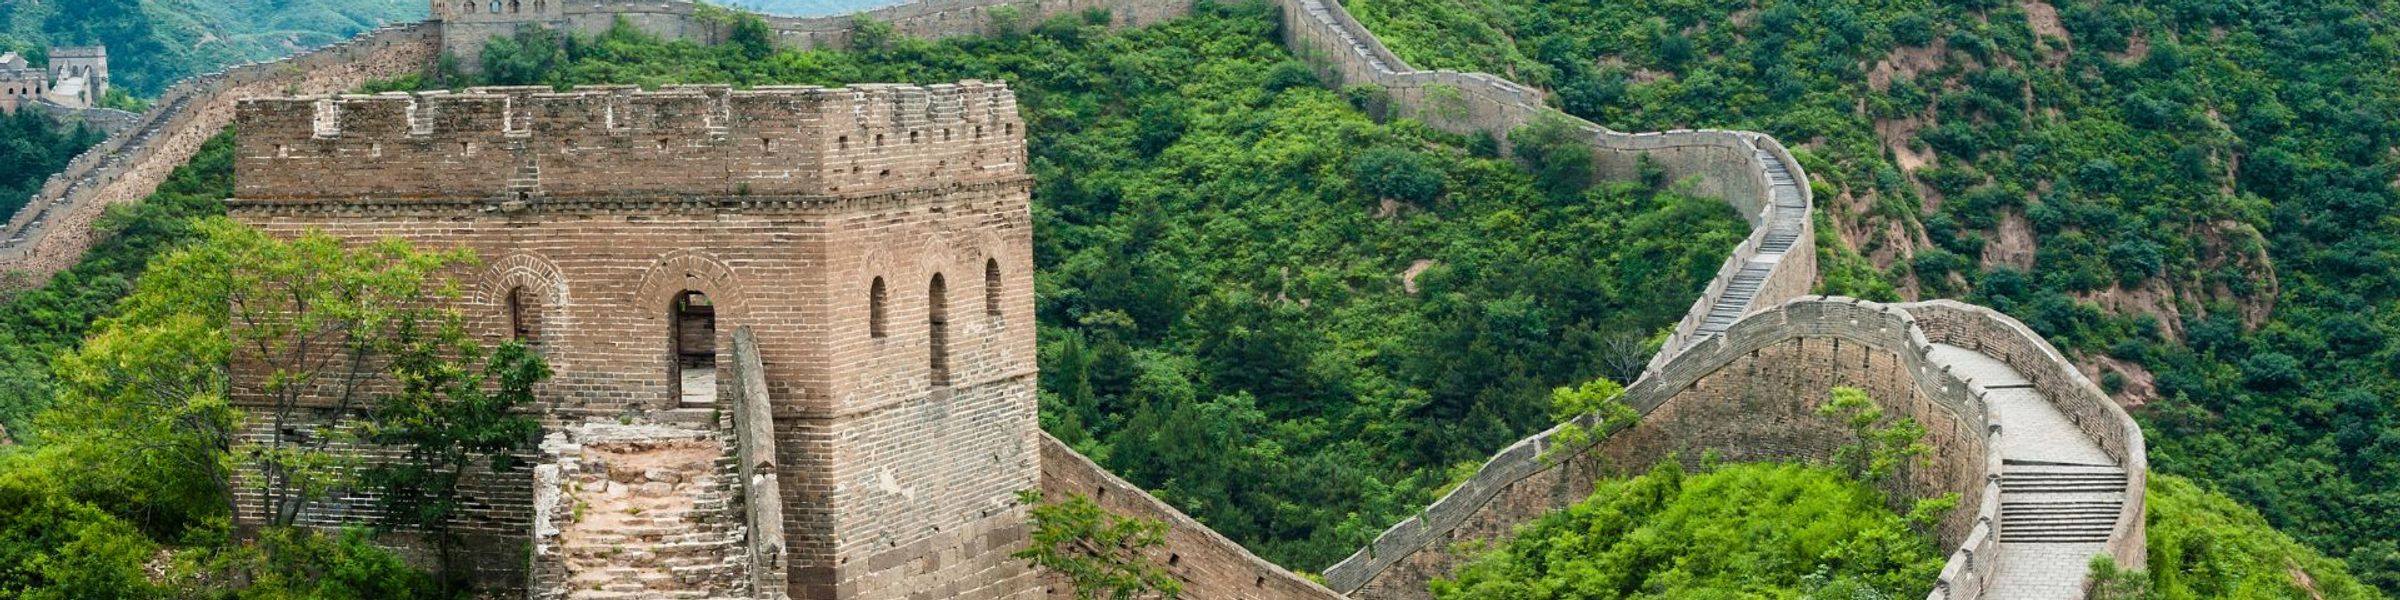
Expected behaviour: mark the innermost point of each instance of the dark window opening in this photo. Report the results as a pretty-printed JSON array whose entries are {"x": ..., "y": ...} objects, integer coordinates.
[
  {"x": 876, "y": 299},
  {"x": 937, "y": 326},
  {"x": 693, "y": 343},
  {"x": 524, "y": 317},
  {"x": 991, "y": 286}
]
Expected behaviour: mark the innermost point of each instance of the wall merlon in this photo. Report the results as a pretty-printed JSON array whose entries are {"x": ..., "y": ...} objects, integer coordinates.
[{"x": 798, "y": 140}]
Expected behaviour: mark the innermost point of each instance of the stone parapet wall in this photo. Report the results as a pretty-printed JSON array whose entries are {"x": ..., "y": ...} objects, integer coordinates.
[
  {"x": 2084, "y": 404},
  {"x": 106, "y": 120},
  {"x": 1210, "y": 566},
  {"x": 617, "y": 141},
  {"x": 1723, "y": 164},
  {"x": 1749, "y": 394},
  {"x": 55, "y": 228}
]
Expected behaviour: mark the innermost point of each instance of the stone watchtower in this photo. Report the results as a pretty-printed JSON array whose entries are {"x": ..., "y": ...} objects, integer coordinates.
[
  {"x": 86, "y": 66},
  {"x": 792, "y": 327}
]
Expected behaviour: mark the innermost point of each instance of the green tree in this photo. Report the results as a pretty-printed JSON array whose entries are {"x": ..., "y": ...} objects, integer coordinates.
[
  {"x": 1558, "y": 152},
  {"x": 1741, "y": 531},
  {"x": 444, "y": 422},
  {"x": 1103, "y": 555},
  {"x": 530, "y": 57},
  {"x": 1398, "y": 174},
  {"x": 310, "y": 315},
  {"x": 1879, "y": 446}
]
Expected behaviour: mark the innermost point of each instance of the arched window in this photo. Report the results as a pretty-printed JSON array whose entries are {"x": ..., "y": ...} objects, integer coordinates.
[
  {"x": 524, "y": 317},
  {"x": 495, "y": 7},
  {"x": 516, "y": 6},
  {"x": 877, "y": 298},
  {"x": 991, "y": 286},
  {"x": 937, "y": 327},
  {"x": 692, "y": 343}
]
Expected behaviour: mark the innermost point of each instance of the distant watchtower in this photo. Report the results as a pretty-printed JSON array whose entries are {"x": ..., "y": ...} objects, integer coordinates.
[
  {"x": 89, "y": 64},
  {"x": 874, "y": 241}
]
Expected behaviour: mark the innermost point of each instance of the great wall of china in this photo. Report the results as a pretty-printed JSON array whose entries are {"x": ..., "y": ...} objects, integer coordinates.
[{"x": 2049, "y": 470}]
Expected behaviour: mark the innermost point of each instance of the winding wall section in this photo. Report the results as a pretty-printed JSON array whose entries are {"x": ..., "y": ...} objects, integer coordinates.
[
  {"x": 54, "y": 228},
  {"x": 1730, "y": 377}
]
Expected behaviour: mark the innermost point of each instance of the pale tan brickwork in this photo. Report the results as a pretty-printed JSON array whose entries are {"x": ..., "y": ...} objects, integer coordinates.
[{"x": 613, "y": 222}]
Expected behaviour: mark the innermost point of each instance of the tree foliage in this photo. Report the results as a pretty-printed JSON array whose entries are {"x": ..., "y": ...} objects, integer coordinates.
[
  {"x": 1743, "y": 531},
  {"x": 34, "y": 146},
  {"x": 1105, "y": 556},
  {"x": 456, "y": 409},
  {"x": 2203, "y": 544}
]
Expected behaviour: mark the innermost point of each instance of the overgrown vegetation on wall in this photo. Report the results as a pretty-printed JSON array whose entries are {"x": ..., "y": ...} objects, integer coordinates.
[{"x": 2196, "y": 198}]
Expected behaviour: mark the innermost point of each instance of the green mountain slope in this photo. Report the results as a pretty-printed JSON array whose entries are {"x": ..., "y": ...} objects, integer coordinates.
[
  {"x": 153, "y": 43},
  {"x": 2194, "y": 197}
]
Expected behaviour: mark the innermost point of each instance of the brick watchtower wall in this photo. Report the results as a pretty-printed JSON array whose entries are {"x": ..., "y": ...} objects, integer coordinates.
[{"x": 819, "y": 219}]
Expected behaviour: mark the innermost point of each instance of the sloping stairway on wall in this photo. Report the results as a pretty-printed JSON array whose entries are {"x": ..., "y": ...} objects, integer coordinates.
[
  {"x": 2060, "y": 494},
  {"x": 1783, "y": 232}
]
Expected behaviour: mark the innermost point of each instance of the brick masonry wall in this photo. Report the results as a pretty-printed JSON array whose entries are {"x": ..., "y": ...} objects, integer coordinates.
[
  {"x": 893, "y": 485},
  {"x": 1998, "y": 336},
  {"x": 1749, "y": 394}
]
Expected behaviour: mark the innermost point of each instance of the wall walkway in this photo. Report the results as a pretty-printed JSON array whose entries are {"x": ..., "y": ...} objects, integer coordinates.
[{"x": 1728, "y": 378}]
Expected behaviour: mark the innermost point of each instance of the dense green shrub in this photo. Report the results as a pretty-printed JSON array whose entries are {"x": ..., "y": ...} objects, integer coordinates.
[{"x": 1742, "y": 531}]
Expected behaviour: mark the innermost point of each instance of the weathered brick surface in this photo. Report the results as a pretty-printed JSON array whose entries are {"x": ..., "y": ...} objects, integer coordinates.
[{"x": 781, "y": 207}]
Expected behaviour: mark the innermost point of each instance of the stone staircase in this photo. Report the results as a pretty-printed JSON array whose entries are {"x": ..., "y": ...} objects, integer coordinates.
[
  {"x": 643, "y": 524},
  {"x": 1783, "y": 232},
  {"x": 2059, "y": 503}
]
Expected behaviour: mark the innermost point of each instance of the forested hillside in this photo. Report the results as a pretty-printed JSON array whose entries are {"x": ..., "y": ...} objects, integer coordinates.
[
  {"x": 2194, "y": 197},
  {"x": 153, "y": 43},
  {"x": 34, "y": 146}
]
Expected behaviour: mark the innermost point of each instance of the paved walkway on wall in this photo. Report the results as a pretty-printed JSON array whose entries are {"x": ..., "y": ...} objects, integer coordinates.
[
  {"x": 1783, "y": 232},
  {"x": 2059, "y": 494}
]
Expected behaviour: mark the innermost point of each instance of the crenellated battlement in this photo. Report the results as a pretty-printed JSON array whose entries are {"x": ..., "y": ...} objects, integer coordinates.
[{"x": 534, "y": 141}]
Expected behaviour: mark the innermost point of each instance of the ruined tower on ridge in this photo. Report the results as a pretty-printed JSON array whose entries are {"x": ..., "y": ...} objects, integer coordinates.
[{"x": 792, "y": 327}]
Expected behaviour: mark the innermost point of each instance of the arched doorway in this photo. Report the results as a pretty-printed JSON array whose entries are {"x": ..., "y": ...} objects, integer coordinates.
[{"x": 692, "y": 342}]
